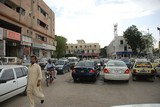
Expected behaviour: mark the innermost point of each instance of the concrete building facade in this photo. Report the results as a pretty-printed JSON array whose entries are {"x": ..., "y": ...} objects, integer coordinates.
[
  {"x": 82, "y": 49},
  {"x": 27, "y": 27},
  {"x": 119, "y": 48}
]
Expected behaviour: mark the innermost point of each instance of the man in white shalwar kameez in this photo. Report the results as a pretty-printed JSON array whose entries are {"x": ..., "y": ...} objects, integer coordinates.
[{"x": 34, "y": 82}]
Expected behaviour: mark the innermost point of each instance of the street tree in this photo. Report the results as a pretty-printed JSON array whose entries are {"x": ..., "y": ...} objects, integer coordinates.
[
  {"x": 61, "y": 46},
  {"x": 103, "y": 52},
  {"x": 134, "y": 39}
]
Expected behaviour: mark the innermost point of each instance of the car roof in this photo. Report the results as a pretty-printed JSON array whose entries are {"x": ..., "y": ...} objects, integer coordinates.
[
  {"x": 115, "y": 60},
  {"x": 10, "y": 66},
  {"x": 87, "y": 61}
]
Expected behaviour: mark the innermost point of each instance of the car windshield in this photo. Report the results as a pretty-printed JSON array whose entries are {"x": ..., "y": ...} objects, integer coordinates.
[
  {"x": 116, "y": 64},
  {"x": 59, "y": 63},
  {"x": 72, "y": 60},
  {"x": 143, "y": 65},
  {"x": 85, "y": 64}
]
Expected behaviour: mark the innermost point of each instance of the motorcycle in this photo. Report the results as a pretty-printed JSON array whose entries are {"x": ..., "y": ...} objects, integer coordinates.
[{"x": 49, "y": 77}]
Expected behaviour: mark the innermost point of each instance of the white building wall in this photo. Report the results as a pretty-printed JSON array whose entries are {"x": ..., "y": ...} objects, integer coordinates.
[{"x": 117, "y": 46}]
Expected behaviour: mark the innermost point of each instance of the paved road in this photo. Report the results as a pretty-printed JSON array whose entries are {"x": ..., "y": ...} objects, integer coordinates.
[{"x": 65, "y": 93}]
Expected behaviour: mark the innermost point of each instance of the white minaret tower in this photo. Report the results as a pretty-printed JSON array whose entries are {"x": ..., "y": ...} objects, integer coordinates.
[
  {"x": 115, "y": 29},
  {"x": 115, "y": 39}
]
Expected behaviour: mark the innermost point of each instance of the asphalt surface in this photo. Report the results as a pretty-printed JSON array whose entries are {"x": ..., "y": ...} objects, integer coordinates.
[{"x": 65, "y": 93}]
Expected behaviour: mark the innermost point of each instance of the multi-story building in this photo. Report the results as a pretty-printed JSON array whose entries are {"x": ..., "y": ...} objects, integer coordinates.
[
  {"x": 82, "y": 49},
  {"x": 27, "y": 27},
  {"x": 118, "y": 48}
]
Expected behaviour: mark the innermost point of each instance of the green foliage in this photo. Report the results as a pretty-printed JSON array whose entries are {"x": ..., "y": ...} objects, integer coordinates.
[
  {"x": 61, "y": 46},
  {"x": 134, "y": 38},
  {"x": 103, "y": 52}
]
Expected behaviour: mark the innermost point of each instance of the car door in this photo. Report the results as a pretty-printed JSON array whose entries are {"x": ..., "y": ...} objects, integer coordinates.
[
  {"x": 9, "y": 84},
  {"x": 21, "y": 78}
]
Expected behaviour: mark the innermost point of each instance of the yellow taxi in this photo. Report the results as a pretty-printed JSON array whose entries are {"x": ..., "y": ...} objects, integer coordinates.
[{"x": 143, "y": 69}]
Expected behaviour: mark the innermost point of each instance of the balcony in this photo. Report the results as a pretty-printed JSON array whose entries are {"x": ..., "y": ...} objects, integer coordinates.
[{"x": 8, "y": 12}]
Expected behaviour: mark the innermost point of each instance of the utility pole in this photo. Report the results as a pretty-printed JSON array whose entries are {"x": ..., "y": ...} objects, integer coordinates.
[{"x": 158, "y": 28}]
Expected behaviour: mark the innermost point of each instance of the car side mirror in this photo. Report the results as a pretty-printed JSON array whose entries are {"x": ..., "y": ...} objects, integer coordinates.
[{"x": 3, "y": 81}]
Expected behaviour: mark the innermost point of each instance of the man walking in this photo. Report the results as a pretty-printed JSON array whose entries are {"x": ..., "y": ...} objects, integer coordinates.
[{"x": 34, "y": 82}]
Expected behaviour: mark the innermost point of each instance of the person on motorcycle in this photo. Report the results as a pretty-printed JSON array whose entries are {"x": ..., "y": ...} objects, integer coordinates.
[{"x": 51, "y": 66}]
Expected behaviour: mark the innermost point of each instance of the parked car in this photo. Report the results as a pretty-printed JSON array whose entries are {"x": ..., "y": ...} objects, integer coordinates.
[
  {"x": 62, "y": 66},
  {"x": 42, "y": 62},
  {"x": 86, "y": 70},
  {"x": 116, "y": 70},
  {"x": 13, "y": 81},
  {"x": 143, "y": 69},
  {"x": 73, "y": 61},
  {"x": 157, "y": 68},
  {"x": 127, "y": 62},
  {"x": 26, "y": 62}
]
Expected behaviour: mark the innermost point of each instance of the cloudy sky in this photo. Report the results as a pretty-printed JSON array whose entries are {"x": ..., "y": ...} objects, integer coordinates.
[{"x": 93, "y": 20}]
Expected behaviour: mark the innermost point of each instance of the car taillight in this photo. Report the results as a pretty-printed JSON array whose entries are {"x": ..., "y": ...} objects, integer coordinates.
[
  {"x": 91, "y": 71},
  {"x": 127, "y": 71},
  {"x": 73, "y": 70},
  {"x": 106, "y": 70},
  {"x": 134, "y": 70}
]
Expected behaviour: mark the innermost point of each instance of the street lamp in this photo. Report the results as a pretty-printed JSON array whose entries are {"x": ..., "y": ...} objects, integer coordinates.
[{"x": 158, "y": 28}]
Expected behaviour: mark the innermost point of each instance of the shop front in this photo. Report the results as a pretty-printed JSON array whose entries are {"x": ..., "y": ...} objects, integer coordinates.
[
  {"x": 26, "y": 47},
  {"x": 13, "y": 45}
]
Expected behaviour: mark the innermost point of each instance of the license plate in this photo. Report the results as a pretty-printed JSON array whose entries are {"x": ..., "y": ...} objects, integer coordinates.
[
  {"x": 143, "y": 71},
  {"x": 117, "y": 72}
]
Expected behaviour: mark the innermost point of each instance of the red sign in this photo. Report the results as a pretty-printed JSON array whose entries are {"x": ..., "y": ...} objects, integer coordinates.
[{"x": 13, "y": 35}]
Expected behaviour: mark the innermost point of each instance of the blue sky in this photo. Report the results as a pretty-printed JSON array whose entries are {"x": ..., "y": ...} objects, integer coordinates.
[{"x": 92, "y": 20}]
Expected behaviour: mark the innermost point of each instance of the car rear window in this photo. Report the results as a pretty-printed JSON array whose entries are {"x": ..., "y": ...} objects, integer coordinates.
[
  {"x": 85, "y": 64},
  {"x": 143, "y": 65},
  {"x": 116, "y": 64}
]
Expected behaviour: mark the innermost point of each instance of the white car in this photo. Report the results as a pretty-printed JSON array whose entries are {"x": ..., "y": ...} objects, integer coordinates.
[
  {"x": 13, "y": 81},
  {"x": 116, "y": 70}
]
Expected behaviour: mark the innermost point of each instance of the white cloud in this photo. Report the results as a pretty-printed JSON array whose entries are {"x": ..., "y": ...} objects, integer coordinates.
[{"x": 92, "y": 20}]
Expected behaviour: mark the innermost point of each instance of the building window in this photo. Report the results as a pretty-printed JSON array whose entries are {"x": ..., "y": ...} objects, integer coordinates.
[
  {"x": 20, "y": 10},
  {"x": 72, "y": 47},
  {"x": 76, "y": 47},
  {"x": 125, "y": 48},
  {"x": 42, "y": 24},
  {"x": 66, "y": 47},
  {"x": 121, "y": 42},
  {"x": 39, "y": 37},
  {"x": 42, "y": 11},
  {"x": 92, "y": 51},
  {"x": 80, "y": 46},
  {"x": 129, "y": 47},
  {"x": 95, "y": 46}
]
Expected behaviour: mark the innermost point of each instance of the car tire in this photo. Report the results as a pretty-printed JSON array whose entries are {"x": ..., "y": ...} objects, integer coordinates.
[
  {"x": 63, "y": 71},
  {"x": 25, "y": 92},
  {"x": 75, "y": 79},
  {"x": 127, "y": 81},
  {"x": 104, "y": 80},
  {"x": 152, "y": 79},
  {"x": 134, "y": 78},
  {"x": 94, "y": 79}
]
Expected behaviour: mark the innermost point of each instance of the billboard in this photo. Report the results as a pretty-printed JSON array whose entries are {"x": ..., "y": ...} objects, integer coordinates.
[{"x": 2, "y": 48}]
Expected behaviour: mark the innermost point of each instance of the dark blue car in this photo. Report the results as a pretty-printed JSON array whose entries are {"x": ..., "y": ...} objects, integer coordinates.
[
  {"x": 62, "y": 66},
  {"x": 86, "y": 70}
]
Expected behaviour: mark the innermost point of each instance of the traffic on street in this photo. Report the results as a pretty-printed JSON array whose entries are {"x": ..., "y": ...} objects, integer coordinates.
[{"x": 64, "y": 92}]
